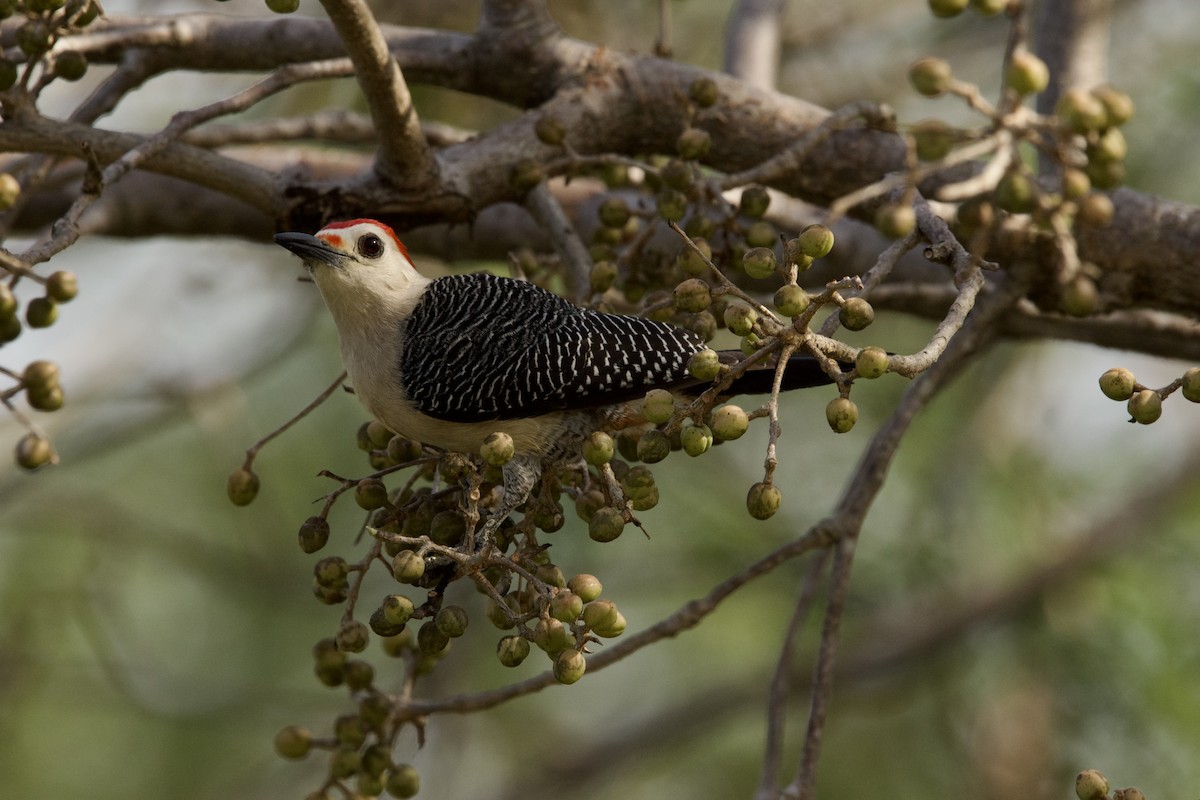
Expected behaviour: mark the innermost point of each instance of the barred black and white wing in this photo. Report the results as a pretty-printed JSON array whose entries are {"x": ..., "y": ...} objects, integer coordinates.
[{"x": 482, "y": 347}]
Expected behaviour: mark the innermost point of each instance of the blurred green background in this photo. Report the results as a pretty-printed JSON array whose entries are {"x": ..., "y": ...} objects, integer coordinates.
[{"x": 153, "y": 638}]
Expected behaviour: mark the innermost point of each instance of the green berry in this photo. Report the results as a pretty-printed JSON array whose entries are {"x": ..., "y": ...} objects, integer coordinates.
[
  {"x": 600, "y": 614},
  {"x": 430, "y": 639},
  {"x": 498, "y": 449},
  {"x": 672, "y": 204},
  {"x": 1145, "y": 407},
  {"x": 242, "y": 487},
  {"x": 314, "y": 534},
  {"x": 408, "y": 567},
  {"x": 1075, "y": 184},
  {"x": 816, "y": 241},
  {"x": 841, "y": 413},
  {"x": 452, "y": 621},
  {"x": 603, "y": 276},
  {"x": 404, "y": 782},
  {"x": 1191, "y": 385},
  {"x": 694, "y": 263},
  {"x": 397, "y": 609},
  {"x": 1027, "y": 74},
  {"x": 871, "y": 362},
  {"x": 587, "y": 587},
  {"x": 703, "y": 92},
  {"x": 791, "y": 300},
  {"x": 352, "y": 637},
  {"x": 1080, "y": 111},
  {"x": 62, "y": 287},
  {"x": 856, "y": 314},
  {"x": 730, "y": 422},
  {"x": 1095, "y": 210},
  {"x": 692, "y": 296},
  {"x": 524, "y": 175},
  {"x": 370, "y": 493},
  {"x": 606, "y": 525},
  {"x": 566, "y": 607},
  {"x": 70, "y": 65},
  {"x": 653, "y": 446},
  {"x": 8, "y": 75},
  {"x": 1118, "y": 107},
  {"x": 761, "y": 234},
  {"x": 931, "y": 77},
  {"x": 947, "y": 8},
  {"x": 1080, "y": 296},
  {"x": 552, "y": 636},
  {"x": 1091, "y": 785},
  {"x": 512, "y": 650},
  {"x": 989, "y": 8},
  {"x": 759, "y": 262},
  {"x": 10, "y": 190},
  {"x": 705, "y": 365},
  {"x": 763, "y": 500},
  {"x": 895, "y": 220},
  {"x": 740, "y": 318},
  {"x": 283, "y": 6},
  {"x": 569, "y": 666},
  {"x": 693, "y": 144},
  {"x": 933, "y": 139},
  {"x": 598, "y": 448},
  {"x": 1016, "y": 193},
  {"x": 293, "y": 742},
  {"x": 550, "y": 130},
  {"x": 41, "y": 312},
  {"x": 754, "y": 202},
  {"x": 696, "y": 439},
  {"x": 658, "y": 406},
  {"x": 33, "y": 451},
  {"x": 1108, "y": 146}
]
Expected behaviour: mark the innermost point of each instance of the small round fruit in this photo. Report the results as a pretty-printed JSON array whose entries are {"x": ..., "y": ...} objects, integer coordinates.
[
  {"x": 600, "y": 614},
  {"x": 841, "y": 414},
  {"x": 759, "y": 262},
  {"x": 1016, "y": 193},
  {"x": 1091, "y": 785},
  {"x": 430, "y": 640},
  {"x": 40, "y": 374},
  {"x": 588, "y": 587},
  {"x": 703, "y": 92},
  {"x": 566, "y": 607},
  {"x": 1145, "y": 406},
  {"x": 791, "y": 300},
  {"x": 598, "y": 448},
  {"x": 1191, "y": 385},
  {"x": 730, "y": 422},
  {"x": 693, "y": 296},
  {"x": 658, "y": 406},
  {"x": 41, "y": 312},
  {"x": 293, "y": 742},
  {"x": 856, "y": 314},
  {"x": 70, "y": 65},
  {"x": 524, "y": 175},
  {"x": 569, "y": 666},
  {"x": 754, "y": 202},
  {"x": 1080, "y": 111},
  {"x": 283, "y": 6},
  {"x": 694, "y": 263},
  {"x": 696, "y": 439},
  {"x": 408, "y": 567},
  {"x": 10, "y": 190},
  {"x": 1080, "y": 296},
  {"x": 693, "y": 144},
  {"x": 512, "y": 650},
  {"x": 397, "y": 609},
  {"x": 606, "y": 525},
  {"x": 704, "y": 365},
  {"x": 1118, "y": 106},
  {"x": 404, "y": 782},
  {"x": 761, "y": 234},
  {"x": 1028, "y": 74},
  {"x": 763, "y": 500},
  {"x": 550, "y": 130},
  {"x": 933, "y": 139},
  {"x": 353, "y": 637},
  {"x": 895, "y": 220},
  {"x": 498, "y": 449},
  {"x": 33, "y": 450},
  {"x": 654, "y": 446},
  {"x": 1095, "y": 210},
  {"x": 242, "y": 487},
  {"x": 740, "y": 318},
  {"x": 370, "y": 494},
  {"x": 871, "y": 362},
  {"x": 452, "y": 621},
  {"x": 816, "y": 241},
  {"x": 947, "y": 8},
  {"x": 314, "y": 534},
  {"x": 931, "y": 76}
]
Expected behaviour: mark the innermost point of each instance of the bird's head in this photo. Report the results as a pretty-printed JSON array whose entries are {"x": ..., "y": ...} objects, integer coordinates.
[{"x": 356, "y": 262}]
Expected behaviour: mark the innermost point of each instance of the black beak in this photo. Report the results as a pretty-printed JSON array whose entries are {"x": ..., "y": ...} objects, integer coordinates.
[{"x": 310, "y": 248}]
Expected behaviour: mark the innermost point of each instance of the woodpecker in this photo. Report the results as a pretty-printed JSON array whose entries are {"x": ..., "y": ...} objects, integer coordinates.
[{"x": 449, "y": 361}]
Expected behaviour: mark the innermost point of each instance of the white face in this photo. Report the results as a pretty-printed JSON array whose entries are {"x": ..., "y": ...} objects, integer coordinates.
[{"x": 374, "y": 262}]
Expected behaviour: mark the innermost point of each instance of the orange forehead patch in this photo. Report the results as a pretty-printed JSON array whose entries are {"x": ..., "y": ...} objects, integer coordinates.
[{"x": 336, "y": 240}]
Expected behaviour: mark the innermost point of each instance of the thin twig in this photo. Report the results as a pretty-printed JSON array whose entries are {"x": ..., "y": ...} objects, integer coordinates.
[
  {"x": 546, "y": 209},
  {"x": 252, "y": 450}
]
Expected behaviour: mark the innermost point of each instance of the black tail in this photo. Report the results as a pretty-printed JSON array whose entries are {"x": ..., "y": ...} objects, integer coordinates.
[{"x": 802, "y": 372}]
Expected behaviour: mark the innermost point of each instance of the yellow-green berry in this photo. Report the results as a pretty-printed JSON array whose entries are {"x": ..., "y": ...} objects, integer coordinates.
[
  {"x": 1095, "y": 210},
  {"x": 658, "y": 406},
  {"x": 1191, "y": 384},
  {"x": 397, "y": 609},
  {"x": 70, "y": 65},
  {"x": 452, "y": 621},
  {"x": 759, "y": 262},
  {"x": 1091, "y": 785},
  {"x": 730, "y": 422},
  {"x": 41, "y": 312},
  {"x": 871, "y": 362},
  {"x": 933, "y": 139},
  {"x": 498, "y": 449},
  {"x": 62, "y": 286},
  {"x": 408, "y": 567},
  {"x": 293, "y": 742},
  {"x": 370, "y": 493},
  {"x": 1016, "y": 193},
  {"x": 1027, "y": 74},
  {"x": 740, "y": 317},
  {"x": 791, "y": 300},
  {"x": 703, "y": 92},
  {"x": 895, "y": 220},
  {"x": 587, "y": 587},
  {"x": 598, "y": 448},
  {"x": 512, "y": 650},
  {"x": 761, "y": 234},
  {"x": 696, "y": 439},
  {"x": 763, "y": 500},
  {"x": 403, "y": 782},
  {"x": 1080, "y": 111},
  {"x": 1118, "y": 106},
  {"x": 754, "y": 202},
  {"x": 947, "y": 8},
  {"x": 283, "y": 6},
  {"x": 705, "y": 365},
  {"x": 33, "y": 450},
  {"x": 606, "y": 525},
  {"x": 1145, "y": 406},
  {"x": 549, "y": 130},
  {"x": 816, "y": 241},
  {"x": 841, "y": 413},
  {"x": 569, "y": 666},
  {"x": 931, "y": 76},
  {"x": 566, "y": 606},
  {"x": 693, "y": 144},
  {"x": 242, "y": 487},
  {"x": 692, "y": 296},
  {"x": 1080, "y": 296},
  {"x": 856, "y": 314}
]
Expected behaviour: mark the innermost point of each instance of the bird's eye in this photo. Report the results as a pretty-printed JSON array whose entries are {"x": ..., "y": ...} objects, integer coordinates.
[{"x": 370, "y": 246}]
